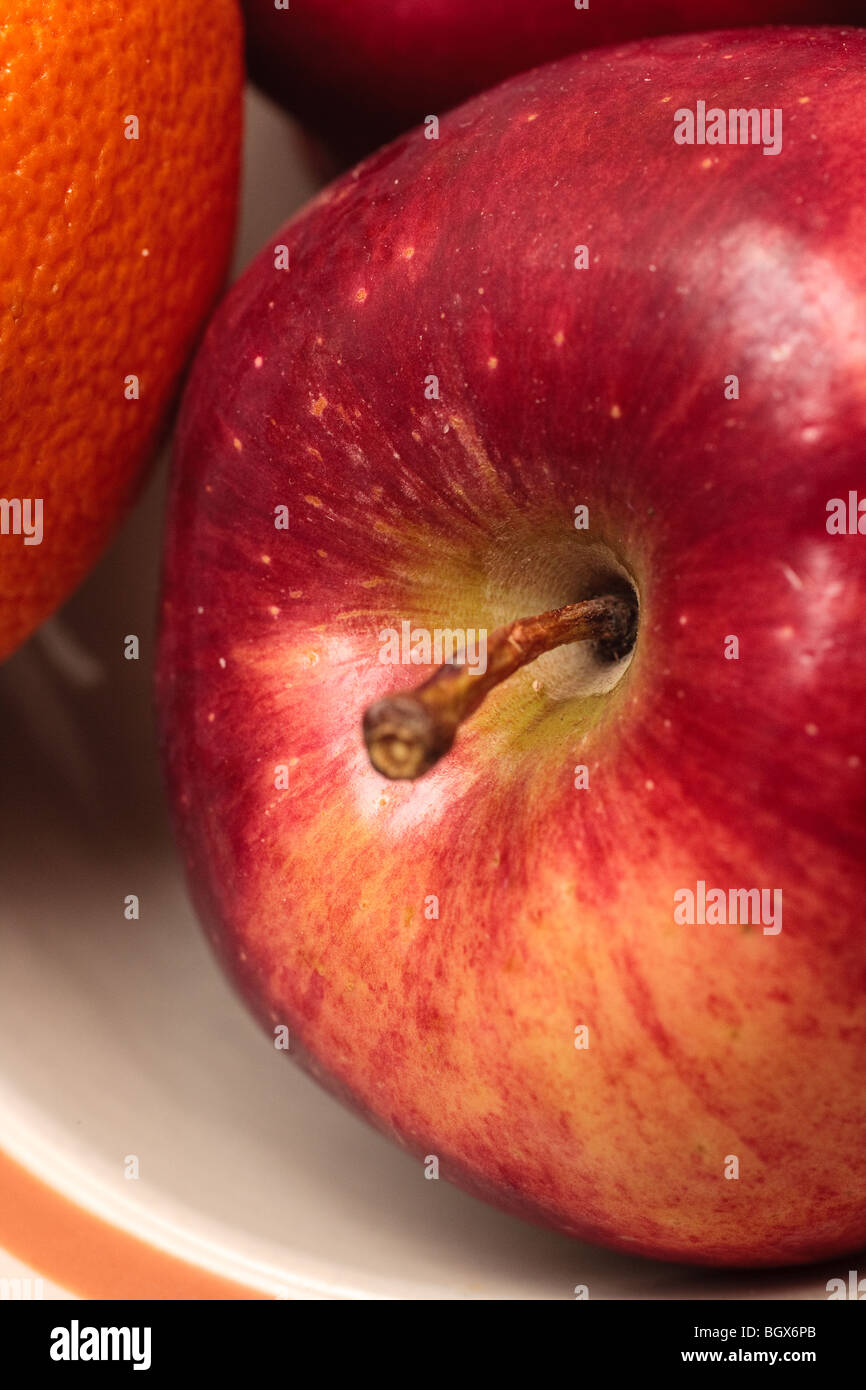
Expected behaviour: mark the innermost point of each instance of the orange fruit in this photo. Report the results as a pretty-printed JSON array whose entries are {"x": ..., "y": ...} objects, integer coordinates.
[{"x": 120, "y": 126}]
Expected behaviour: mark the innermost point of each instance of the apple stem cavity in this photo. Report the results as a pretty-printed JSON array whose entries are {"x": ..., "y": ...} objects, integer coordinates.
[{"x": 407, "y": 732}]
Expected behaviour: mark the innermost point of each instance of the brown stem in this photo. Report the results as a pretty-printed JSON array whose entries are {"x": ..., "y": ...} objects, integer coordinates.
[{"x": 407, "y": 732}]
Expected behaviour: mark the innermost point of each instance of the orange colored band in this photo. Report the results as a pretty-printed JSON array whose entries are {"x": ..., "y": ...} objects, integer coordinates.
[{"x": 89, "y": 1257}]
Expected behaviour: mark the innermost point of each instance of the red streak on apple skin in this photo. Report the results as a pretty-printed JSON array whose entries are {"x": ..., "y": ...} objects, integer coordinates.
[
  {"x": 361, "y": 71},
  {"x": 555, "y": 905}
]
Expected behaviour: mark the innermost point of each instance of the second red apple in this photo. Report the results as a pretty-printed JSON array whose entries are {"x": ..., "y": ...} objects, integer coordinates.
[{"x": 360, "y": 71}]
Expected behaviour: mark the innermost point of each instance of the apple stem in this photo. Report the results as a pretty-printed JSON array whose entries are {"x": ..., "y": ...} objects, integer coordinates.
[{"x": 407, "y": 732}]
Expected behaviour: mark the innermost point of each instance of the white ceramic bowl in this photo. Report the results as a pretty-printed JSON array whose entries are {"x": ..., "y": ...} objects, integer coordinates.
[{"x": 120, "y": 1039}]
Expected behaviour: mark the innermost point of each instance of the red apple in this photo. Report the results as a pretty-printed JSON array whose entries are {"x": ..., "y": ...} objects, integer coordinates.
[
  {"x": 435, "y": 946},
  {"x": 361, "y": 71}
]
